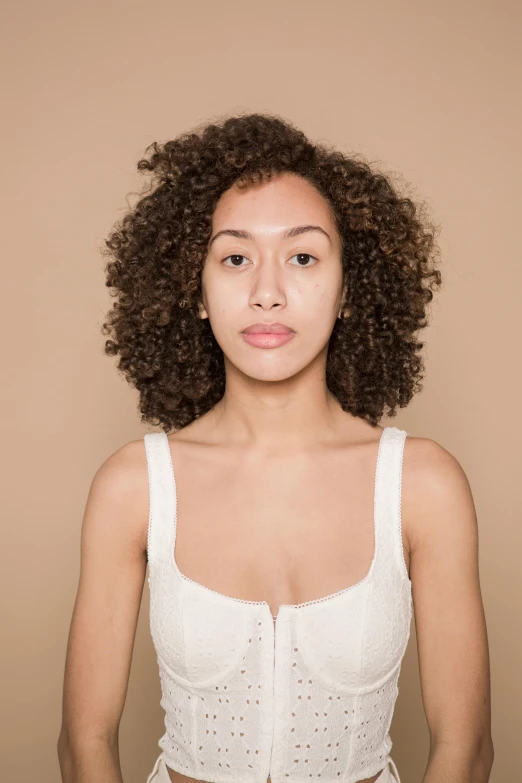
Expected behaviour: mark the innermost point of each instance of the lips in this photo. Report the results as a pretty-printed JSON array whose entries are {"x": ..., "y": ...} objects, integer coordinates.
[{"x": 273, "y": 328}]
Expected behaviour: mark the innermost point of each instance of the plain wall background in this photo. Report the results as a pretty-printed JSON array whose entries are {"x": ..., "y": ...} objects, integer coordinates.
[{"x": 429, "y": 91}]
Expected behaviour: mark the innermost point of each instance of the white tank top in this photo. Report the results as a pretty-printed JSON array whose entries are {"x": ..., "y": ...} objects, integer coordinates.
[{"x": 310, "y": 695}]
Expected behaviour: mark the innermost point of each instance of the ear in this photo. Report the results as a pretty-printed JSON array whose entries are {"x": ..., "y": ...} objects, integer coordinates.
[
  {"x": 344, "y": 312},
  {"x": 202, "y": 312}
]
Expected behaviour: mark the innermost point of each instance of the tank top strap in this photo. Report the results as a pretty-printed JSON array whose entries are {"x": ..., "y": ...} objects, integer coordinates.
[
  {"x": 388, "y": 487},
  {"x": 162, "y": 497}
]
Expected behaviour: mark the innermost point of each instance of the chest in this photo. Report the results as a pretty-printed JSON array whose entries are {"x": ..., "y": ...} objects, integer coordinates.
[
  {"x": 316, "y": 688},
  {"x": 331, "y": 584},
  {"x": 286, "y": 530}
]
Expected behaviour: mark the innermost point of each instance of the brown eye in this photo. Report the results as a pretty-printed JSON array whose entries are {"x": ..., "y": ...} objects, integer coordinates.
[
  {"x": 236, "y": 258},
  {"x": 302, "y": 258}
]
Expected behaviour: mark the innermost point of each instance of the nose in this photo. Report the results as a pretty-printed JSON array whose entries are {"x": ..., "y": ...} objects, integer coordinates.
[{"x": 268, "y": 290}]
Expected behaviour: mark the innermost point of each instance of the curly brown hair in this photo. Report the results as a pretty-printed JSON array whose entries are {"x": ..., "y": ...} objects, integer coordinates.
[{"x": 158, "y": 249}]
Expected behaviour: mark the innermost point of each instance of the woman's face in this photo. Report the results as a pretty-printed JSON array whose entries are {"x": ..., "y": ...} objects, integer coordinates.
[{"x": 266, "y": 265}]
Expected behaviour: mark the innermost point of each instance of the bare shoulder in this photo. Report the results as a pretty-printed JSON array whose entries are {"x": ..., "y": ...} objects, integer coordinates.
[
  {"x": 450, "y": 625},
  {"x": 437, "y": 501},
  {"x": 120, "y": 484},
  {"x": 112, "y": 574}
]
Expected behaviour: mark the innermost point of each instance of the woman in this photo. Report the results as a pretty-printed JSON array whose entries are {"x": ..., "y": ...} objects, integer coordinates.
[{"x": 269, "y": 292}]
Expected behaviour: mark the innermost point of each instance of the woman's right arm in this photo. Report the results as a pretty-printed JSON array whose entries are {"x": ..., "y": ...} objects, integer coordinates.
[{"x": 103, "y": 627}]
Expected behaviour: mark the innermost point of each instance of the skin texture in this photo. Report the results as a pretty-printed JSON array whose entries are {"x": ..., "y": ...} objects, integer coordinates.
[
  {"x": 275, "y": 498},
  {"x": 272, "y": 282}
]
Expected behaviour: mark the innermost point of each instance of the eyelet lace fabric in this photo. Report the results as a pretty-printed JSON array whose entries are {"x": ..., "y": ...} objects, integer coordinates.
[{"x": 309, "y": 694}]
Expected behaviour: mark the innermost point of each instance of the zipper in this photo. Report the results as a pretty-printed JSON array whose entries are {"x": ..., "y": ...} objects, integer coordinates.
[{"x": 273, "y": 698}]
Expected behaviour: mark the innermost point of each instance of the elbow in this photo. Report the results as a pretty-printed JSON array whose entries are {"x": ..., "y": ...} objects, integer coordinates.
[
  {"x": 483, "y": 757},
  {"x": 487, "y": 755},
  {"x": 477, "y": 755},
  {"x": 64, "y": 756},
  {"x": 62, "y": 744}
]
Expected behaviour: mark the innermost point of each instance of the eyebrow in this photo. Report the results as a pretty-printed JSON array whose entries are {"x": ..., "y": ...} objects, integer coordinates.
[{"x": 289, "y": 232}]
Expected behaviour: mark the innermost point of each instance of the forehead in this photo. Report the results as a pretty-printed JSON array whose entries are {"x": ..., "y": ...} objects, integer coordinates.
[{"x": 287, "y": 199}]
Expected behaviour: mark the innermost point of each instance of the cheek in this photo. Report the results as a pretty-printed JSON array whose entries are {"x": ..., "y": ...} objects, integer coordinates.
[
  {"x": 227, "y": 310},
  {"x": 221, "y": 294},
  {"x": 318, "y": 299}
]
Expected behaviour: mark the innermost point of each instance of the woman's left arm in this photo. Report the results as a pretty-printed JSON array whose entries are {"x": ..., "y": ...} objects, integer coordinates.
[{"x": 442, "y": 534}]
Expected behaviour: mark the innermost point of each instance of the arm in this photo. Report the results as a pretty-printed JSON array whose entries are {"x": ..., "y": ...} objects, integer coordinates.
[
  {"x": 105, "y": 616},
  {"x": 449, "y": 615}
]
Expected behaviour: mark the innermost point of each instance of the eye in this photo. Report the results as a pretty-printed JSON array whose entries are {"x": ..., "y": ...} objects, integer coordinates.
[
  {"x": 304, "y": 257},
  {"x": 235, "y": 258}
]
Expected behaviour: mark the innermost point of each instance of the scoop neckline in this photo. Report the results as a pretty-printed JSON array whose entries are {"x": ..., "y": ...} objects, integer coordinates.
[{"x": 265, "y": 604}]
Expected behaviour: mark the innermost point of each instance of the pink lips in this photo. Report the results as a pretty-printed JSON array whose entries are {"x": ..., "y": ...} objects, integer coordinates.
[{"x": 267, "y": 335}]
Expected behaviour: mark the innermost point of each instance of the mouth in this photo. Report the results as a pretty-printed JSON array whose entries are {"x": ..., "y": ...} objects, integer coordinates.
[
  {"x": 272, "y": 328},
  {"x": 267, "y": 339}
]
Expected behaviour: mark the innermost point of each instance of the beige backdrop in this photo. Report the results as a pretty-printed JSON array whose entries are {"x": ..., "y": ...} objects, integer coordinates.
[{"x": 428, "y": 90}]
